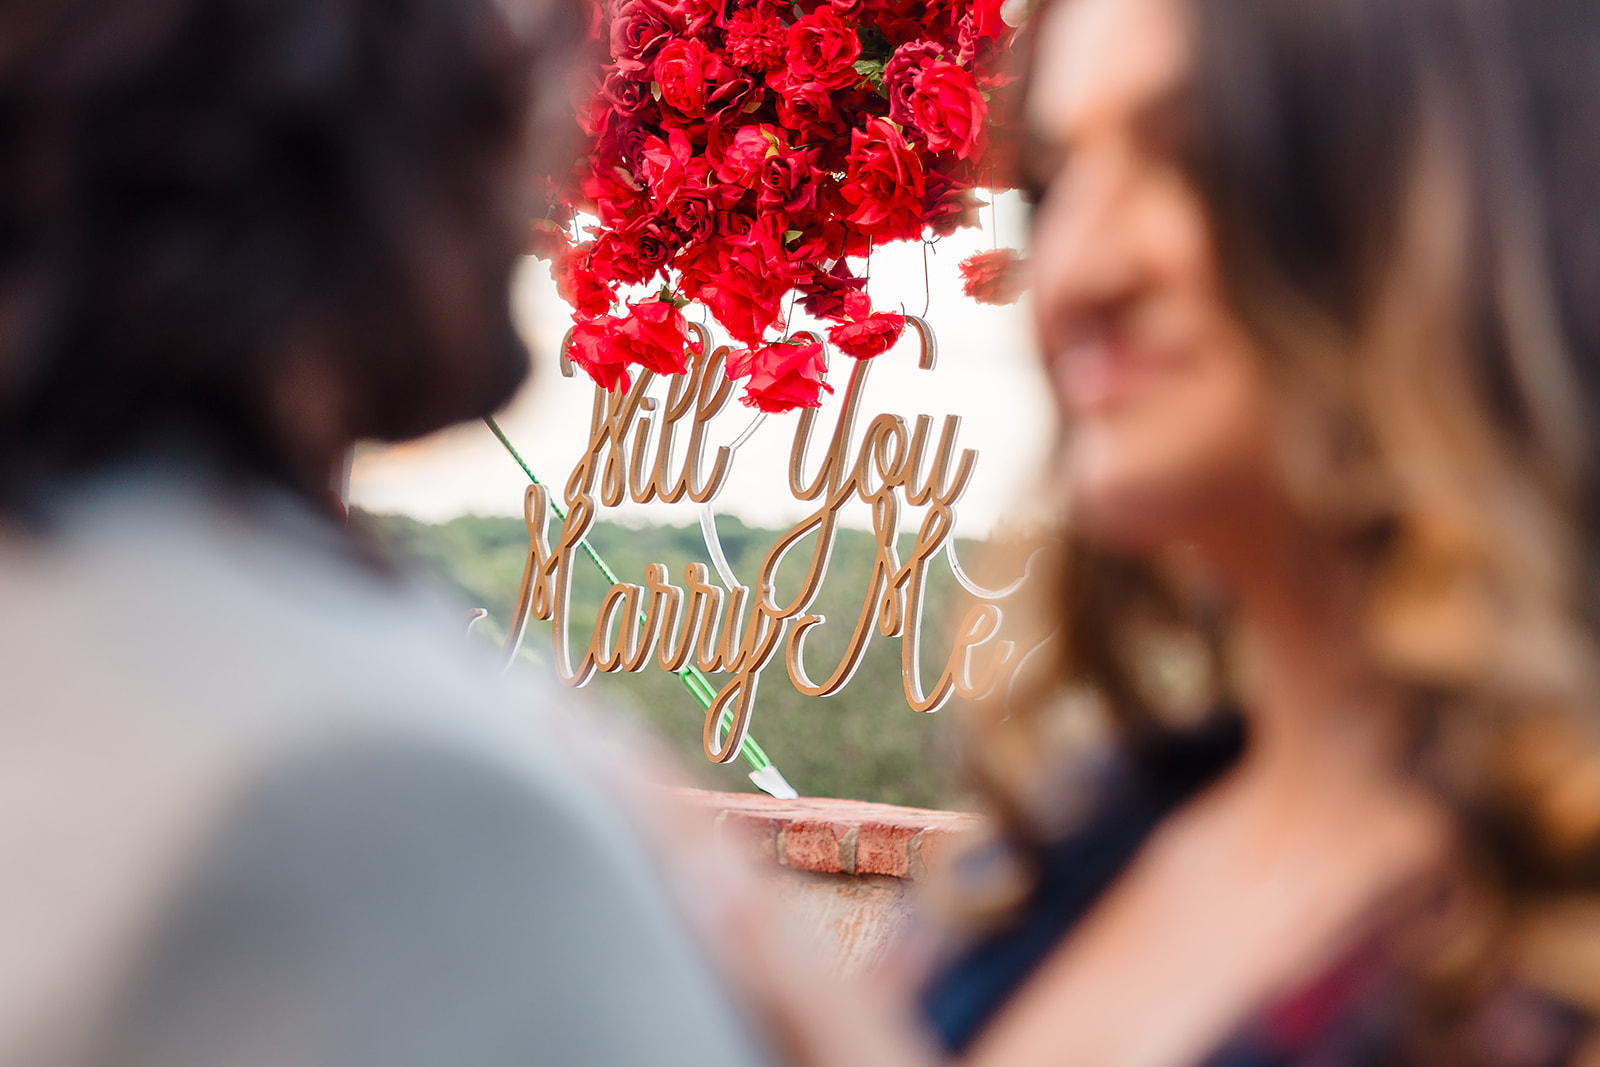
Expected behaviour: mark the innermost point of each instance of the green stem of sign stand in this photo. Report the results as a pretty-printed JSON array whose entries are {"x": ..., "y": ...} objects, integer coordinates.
[{"x": 693, "y": 678}]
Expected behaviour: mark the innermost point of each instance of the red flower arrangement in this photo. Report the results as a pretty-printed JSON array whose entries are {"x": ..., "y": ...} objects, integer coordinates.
[
  {"x": 654, "y": 335},
  {"x": 741, "y": 152},
  {"x": 783, "y": 375},
  {"x": 995, "y": 278}
]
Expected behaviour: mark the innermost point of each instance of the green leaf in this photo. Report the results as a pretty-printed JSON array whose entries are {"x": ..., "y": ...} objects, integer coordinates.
[{"x": 871, "y": 70}]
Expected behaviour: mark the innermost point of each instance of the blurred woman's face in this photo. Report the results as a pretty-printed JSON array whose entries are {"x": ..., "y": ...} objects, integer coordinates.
[{"x": 1162, "y": 392}]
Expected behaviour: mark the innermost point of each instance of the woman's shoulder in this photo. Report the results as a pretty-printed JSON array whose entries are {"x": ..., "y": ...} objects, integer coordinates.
[
  {"x": 1102, "y": 807},
  {"x": 1381, "y": 999}
]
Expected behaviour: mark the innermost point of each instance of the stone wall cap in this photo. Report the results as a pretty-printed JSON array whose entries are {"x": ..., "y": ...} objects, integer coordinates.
[{"x": 834, "y": 836}]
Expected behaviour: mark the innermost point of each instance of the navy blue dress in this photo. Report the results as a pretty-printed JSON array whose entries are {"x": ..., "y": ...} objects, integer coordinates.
[{"x": 1356, "y": 1013}]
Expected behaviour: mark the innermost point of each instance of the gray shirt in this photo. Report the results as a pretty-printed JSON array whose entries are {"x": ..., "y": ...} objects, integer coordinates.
[{"x": 260, "y": 804}]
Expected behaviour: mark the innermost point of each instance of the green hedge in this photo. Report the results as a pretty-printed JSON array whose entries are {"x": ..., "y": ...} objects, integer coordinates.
[{"x": 864, "y": 743}]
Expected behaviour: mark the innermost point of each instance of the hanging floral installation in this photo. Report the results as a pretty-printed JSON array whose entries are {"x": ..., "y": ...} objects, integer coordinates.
[
  {"x": 741, "y": 154},
  {"x": 998, "y": 277}
]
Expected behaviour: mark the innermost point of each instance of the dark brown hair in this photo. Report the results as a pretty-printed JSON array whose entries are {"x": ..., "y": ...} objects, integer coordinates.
[{"x": 266, "y": 226}]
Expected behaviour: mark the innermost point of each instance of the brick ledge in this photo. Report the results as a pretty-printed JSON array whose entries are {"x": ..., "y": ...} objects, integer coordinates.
[{"x": 830, "y": 836}]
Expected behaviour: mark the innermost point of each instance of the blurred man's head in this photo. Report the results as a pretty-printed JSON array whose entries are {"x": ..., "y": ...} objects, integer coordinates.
[{"x": 262, "y": 227}]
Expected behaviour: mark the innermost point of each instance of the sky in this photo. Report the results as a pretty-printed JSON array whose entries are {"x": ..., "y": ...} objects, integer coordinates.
[{"x": 987, "y": 373}]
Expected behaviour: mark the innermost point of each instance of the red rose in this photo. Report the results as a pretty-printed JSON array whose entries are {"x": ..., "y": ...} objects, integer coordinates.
[
  {"x": 655, "y": 336},
  {"x": 695, "y": 15},
  {"x": 823, "y": 48},
  {"x": 628, "y": 98},
  {"x": 590, "y": 107},
  {"x": 769, "y": 254},
  {"x": 614, "y": 193},
  {"x": 900, "y": 75},
  {"x": 743, "y": 279},
  {"x": 949, "y": 205},
  {"x": 683, "y": 69},
  {"x": 638, "y": 31},
  {"x": 666, "y": 164},
  {"x": 821, "y": 239},
  {"x": 949, "y": 109},
  {"x": 783, "y": 376},
  {"x": 997, "y": 277},
  {"x": 732, "y": 96},
  {"x": 978, "y": 31},
  {"x": 741, "y": 362},
  {"x": 743, "y": 309},
  {"x": 823, "y": 295},
  {"x": 592, "y": 345},
  {"x": 884, "y": 183},
  {"x": 697, "y": 265},
  {"x": 788, "y": 182},
  {"x": 808, "y": 109},
  {"x": 694, "y": 216},
  {"x": 736, "y": 158},
  {"x": 868, "y": 337},
  {"x": 622, "y": 144},
  {"x": 900, "y": 21},
  {"x": 583, "y": 282},
  {"x": 547, "y": 240},
  {"x": 652, "y": 245},
  {"x": 638, "y": 251},
  {"x": 756, "y": 39}
]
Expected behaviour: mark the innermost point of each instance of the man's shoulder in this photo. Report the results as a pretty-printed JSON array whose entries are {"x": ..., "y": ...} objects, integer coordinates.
[{"x": 238, "y": 612}]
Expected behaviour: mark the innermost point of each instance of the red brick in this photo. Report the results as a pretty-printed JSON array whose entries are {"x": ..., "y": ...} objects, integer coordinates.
[
  {"x": 831, "y": 835},
  {"x": 813, "y": 845},
  {"x": 882, "y": 848}
]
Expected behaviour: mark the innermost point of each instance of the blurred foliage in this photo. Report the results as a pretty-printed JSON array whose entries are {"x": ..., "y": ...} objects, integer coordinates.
[{"x": 864, "y": 743}]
